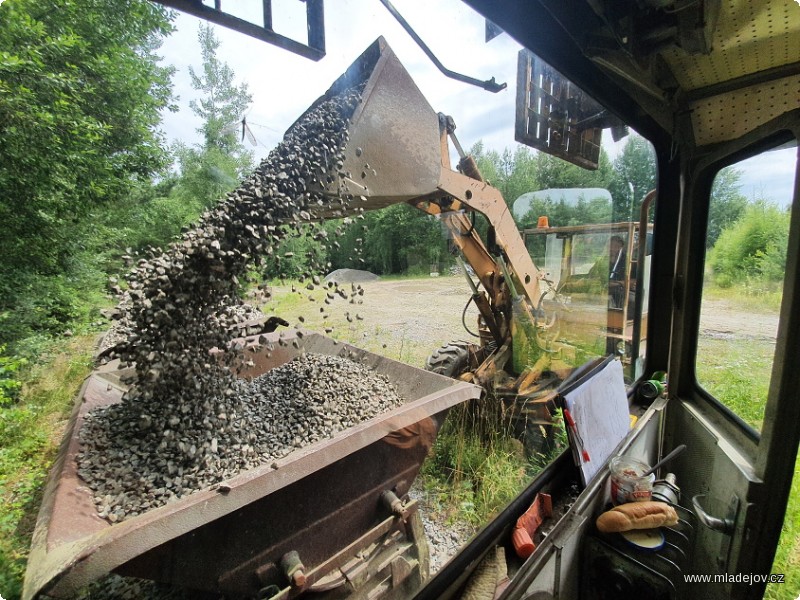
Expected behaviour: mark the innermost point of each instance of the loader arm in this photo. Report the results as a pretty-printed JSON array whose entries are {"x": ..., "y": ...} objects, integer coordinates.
[
  {"x": 398, "y": 150},
  {"x": 487, "y": 200},
  {"x": 460, "y": 193}
]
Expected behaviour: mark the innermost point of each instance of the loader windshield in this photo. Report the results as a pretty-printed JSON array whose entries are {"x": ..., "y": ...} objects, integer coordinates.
[
  {"x": 312, "y": 476},
  {"x": 593, "y": 273}
]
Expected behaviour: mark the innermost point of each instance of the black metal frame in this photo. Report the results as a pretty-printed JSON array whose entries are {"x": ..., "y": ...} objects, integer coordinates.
[
  {"x": 490, "y": 85},
  {"x": 315, "y": 22}
]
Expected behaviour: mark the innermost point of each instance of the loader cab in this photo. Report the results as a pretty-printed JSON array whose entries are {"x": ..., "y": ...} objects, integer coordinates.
[
  {"x": 710, "y": 91},
  {"x": 710, "y": 86},
  {"x": 593, "y": 276}
]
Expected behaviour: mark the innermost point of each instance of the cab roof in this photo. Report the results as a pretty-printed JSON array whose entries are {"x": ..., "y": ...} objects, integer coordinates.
[{"x": 702, "y": 71}]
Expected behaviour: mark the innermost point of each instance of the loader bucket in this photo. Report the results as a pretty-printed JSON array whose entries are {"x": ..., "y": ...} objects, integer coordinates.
[{"x": 394, "y": 150}]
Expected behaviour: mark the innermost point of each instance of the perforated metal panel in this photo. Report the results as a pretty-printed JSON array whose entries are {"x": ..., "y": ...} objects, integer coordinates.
[
  {"x": 728, "y": 116},
  {"x": 751, "y": 35}
]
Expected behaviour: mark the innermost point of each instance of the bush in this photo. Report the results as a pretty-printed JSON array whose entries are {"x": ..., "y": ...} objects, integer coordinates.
[
  {"x": 724, "y": 280},
  {"x": 754, "y": 247},
  {"x": 36, "y": 305},
  {"x": 10, "y": 386}
]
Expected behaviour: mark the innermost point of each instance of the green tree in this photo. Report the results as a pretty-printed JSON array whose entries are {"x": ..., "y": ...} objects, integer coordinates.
[
  {"x": 223, "y": 102},
  {"x": 587, "y": 210},
  {"x": 727, "y": 203},
  {"x": 396, "y": 239},
  {"x": 523, "y": 171},
  {"x": 634, "y": 176},
  {"x": 211, "y": 169},
  {"x": 754, "y": 247},
  {"x": 80, "y": 102},
  {"x": 301, "y": 252},
  {"x": 511, "y": 173},
  {"x": 555, "y": 173},
  {"x": 488, "y": 161},
  {"x": 150, "y": 215}
]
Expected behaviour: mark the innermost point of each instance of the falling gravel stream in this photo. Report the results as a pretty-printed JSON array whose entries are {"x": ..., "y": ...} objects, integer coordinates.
[{"x": 186, "y": 422}]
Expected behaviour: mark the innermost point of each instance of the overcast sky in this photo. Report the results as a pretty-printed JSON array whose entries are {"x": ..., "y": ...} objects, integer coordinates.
[{"x": 283, "y": 84}]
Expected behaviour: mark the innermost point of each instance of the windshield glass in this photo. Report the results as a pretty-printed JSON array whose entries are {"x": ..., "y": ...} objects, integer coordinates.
[{"x": 419, "y": 268}]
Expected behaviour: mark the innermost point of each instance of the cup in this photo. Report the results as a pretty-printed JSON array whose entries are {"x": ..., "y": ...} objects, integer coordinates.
[{"x": 629, "y": 482}]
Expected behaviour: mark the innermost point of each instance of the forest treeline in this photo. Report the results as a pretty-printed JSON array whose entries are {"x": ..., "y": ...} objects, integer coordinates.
[{"x": 86, "y": 177}]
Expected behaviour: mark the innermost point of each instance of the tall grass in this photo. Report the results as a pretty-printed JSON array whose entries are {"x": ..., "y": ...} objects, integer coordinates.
[
  {"x": 752, "y": 294},
  {"x": 30, "y": 432},
  {"x": 478, "y": 463}
]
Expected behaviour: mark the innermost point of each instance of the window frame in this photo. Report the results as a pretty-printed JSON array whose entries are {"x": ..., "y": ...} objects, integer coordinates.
[{"x": 690, "y": 276}]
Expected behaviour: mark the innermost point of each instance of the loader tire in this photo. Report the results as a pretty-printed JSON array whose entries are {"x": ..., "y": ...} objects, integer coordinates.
[{"x": 451, "y": 360}]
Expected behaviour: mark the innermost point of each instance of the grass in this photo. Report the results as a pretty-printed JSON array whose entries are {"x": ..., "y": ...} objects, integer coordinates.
[
  {"x": 478, "y": 465},
  {"x": 30, "y": 433},
  {"x": 787, "y": 557},
  {"x": 737, "y": 372},
  {"x": 752, "y": 296}
]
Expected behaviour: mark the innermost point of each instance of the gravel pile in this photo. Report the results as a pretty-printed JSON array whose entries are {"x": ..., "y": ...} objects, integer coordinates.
[
  {"x": 184, "y": 424},
  {"x": 312, "y": 398},
  {"x": 351, "y": 276},
  {"x": 133, "y": 464}
]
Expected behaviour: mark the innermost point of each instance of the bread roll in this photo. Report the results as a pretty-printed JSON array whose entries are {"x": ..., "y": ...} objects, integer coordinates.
[{"x": 637, "y": 515}]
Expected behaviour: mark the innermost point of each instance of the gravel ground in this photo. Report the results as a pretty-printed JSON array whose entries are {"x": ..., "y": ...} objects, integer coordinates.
[
  {"x": 445, "y": 538},
  {"x": 403, "y": 319}
]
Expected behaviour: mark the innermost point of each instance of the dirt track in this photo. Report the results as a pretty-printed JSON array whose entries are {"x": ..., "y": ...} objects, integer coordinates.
[
  {"x": 721, "y": 319},
  {"x": 403, "y": 319},
  {"x": 407, "y": 319}
]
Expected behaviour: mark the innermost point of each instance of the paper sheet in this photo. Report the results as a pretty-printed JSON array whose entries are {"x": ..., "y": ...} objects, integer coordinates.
[{"x": 598, "y": 404}]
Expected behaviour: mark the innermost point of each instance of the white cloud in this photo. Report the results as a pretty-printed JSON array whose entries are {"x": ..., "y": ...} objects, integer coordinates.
[{"x": 770, "y": 176}]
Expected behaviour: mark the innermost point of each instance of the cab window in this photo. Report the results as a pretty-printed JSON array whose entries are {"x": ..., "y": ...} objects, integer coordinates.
[{"x": 746, "y": 245}]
